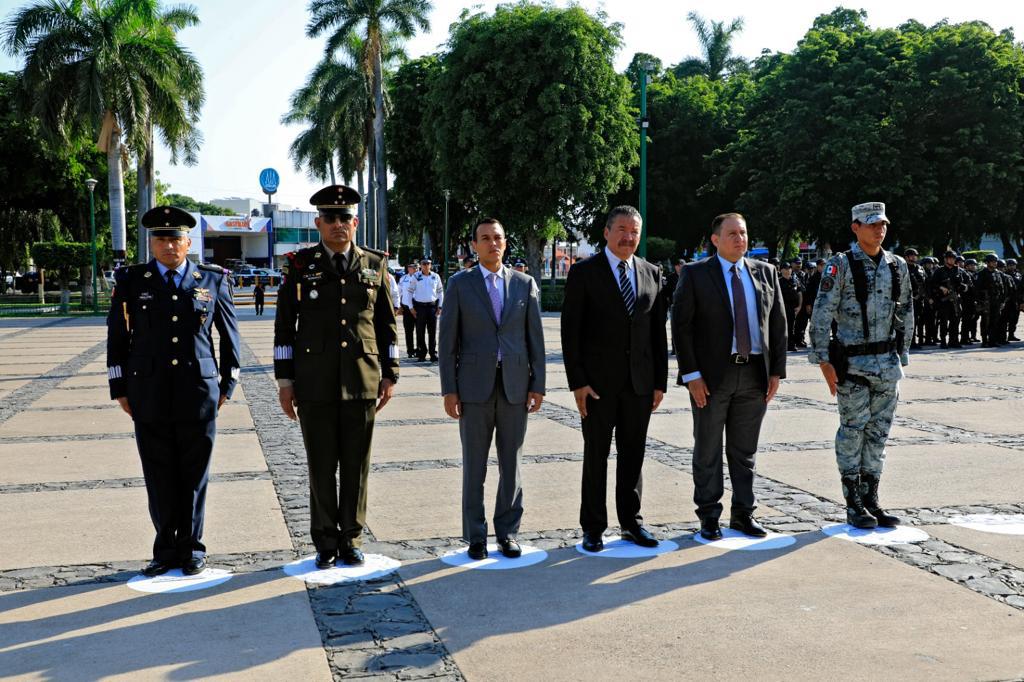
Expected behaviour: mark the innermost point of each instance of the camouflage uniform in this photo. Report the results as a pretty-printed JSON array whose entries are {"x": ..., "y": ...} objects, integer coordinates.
[{"x": 867, "y": 399}]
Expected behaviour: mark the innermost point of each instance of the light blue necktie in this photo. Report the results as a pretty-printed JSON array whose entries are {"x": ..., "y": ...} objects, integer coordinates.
[{"x": 495, "y": 295}]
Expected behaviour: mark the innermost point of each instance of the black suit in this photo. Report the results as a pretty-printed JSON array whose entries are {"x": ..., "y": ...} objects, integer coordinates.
[
  {"x": 624, "y": 360},
  {"x": 702, "y": 324}
]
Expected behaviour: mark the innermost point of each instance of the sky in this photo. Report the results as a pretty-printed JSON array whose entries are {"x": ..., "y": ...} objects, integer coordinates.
[{"x": 255, "y": 54}]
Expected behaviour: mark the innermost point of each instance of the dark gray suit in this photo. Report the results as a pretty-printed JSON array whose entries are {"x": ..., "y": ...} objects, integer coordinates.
[
  {"x": 702, "y": 325},
  {"x": 493, "y": 395}
]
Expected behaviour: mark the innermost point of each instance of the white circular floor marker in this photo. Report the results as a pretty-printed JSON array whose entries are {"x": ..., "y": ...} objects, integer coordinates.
[
  {"x": 374, "y": 566},
  {"x": 175, "y": 581},
  {"x": 900, "y": 535},
  {"x": 495, "y": 561},
  {"x": 617, "y": 548},
  {"x": 1003, "y": 524},
  {"x": 733, "y": 539}
]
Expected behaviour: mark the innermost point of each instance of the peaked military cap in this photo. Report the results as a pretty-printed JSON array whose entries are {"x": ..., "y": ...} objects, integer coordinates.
[
  {"x": 1011, "y": 261},
  {"x": 168, "y": 221},
  {"x": 950, "y": 253},
  {"x": 870, "y": 212},
  {"x": 337, "y": 199}
]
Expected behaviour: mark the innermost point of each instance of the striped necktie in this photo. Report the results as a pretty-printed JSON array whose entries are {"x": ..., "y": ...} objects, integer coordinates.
[{"x": 628, "y": 297}]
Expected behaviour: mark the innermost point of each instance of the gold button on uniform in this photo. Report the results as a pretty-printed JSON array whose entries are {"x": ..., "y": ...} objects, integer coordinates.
[
  {"x": 344, "y": 344},
  {"x": 174, "y": 361},
  {"x": 344, "y": 322},
  {"x": 343, "y": 301},
  {"x": 342, "y": 281},
  {"x": 174, "y": 339},
  {"x": 174, "y": 297},
  {"x": 174, "y": 318}
]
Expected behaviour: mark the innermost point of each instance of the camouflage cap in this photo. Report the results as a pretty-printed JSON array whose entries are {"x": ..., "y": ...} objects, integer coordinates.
[{"x": 870, "y": 212}]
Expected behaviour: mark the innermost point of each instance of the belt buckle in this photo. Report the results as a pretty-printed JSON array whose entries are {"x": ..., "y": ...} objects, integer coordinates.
[{"x": 741, "y": 359}]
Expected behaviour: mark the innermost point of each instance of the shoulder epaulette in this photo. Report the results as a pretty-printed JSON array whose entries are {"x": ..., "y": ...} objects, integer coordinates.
[{"x": 212, "y": 267}]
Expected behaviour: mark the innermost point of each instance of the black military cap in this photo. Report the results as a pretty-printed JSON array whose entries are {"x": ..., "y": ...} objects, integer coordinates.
[
  {"x": 425, "y": 260},
  {"x": 989, "y": 257},
  {"x": 910, "y": 252},
  {"x": 168, "y": 221},
  {"x": 971, "y": 261},
  {"x": 950, "y": 253},
  {"x": 1011, "y": 261},
  {"x": 797, "y": 261},
  {"x": 336, "y": 200}
]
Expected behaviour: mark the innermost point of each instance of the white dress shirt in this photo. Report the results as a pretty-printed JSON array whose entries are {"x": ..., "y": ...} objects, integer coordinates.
[
  {"x": 500, "y": 282},
  {"x": 756, "y": 347},
  {"x": 614, "y": 261}
]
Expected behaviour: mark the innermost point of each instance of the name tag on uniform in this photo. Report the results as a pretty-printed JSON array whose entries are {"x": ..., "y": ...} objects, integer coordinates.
[
  {"x": 312, "y": 276},
  {"x": 146, "y": 296},
  {"x": 202, "y": 295}
]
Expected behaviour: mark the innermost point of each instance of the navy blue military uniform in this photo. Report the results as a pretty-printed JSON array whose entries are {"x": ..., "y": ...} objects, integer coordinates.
[{"x": 160, "y": 356}]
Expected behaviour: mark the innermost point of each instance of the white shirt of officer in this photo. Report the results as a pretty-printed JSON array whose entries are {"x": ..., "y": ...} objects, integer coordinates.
[
  {"x": 405, "y": 289},
  {"x": 426, "y": 288}
]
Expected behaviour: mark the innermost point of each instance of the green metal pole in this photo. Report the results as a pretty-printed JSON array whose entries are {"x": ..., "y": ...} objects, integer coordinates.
[
  {"x": 92, "y": 231},
  {"x": 444, "y": 269},
  {"x": 643, "y": 160}
]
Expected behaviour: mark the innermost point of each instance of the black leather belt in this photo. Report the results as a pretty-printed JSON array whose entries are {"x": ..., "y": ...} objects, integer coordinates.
[
  {"x": 737, "y": 359},
  {"x": 876, "y": 348}
]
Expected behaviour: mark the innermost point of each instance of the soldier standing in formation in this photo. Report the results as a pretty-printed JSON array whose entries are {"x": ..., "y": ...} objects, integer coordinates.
[
  {"x": 427, "y": 294},
  {"x": 867, "y": 292},
  {"x": 948, "y": 286},
  {"x": 335, "y": 360},
  {"x": 792, "y": 298},
  {"x": 917, "y": 290},
  {"x": 1014, "y": 299},
  {"x": 163, "y": 372},
  {"x": 991, "y": 294}
]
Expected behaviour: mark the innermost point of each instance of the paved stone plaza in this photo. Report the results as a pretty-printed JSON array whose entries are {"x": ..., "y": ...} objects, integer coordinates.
[{"x": 75, "y": 530}]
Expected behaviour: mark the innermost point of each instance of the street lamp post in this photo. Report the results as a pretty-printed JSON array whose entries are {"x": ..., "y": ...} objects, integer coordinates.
[
  {"x": 643, "y": 160},
  {"x": 444, "y": 270},
  {"x": 91, "y": 184}
]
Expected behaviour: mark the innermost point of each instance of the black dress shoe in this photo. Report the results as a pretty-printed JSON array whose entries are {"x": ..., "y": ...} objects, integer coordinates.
[
  {"x": 639, "y": 536},
  {"x": 155, "y": 568},
  {"x": 593, "y": 542},
  {"x": 710, "y": 530},
  {"x": 325, "y": 559},
  {"x": 510, "y": 548},
  {"x": 748, "y": 526},
  {"x": 351, "y": 556},
  {"x": 194, "y": 565},
  {"x": 477, "y": 551}
]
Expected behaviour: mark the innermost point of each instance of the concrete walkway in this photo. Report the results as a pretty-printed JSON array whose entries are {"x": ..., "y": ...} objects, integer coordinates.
[{"x": 75, "y": 530}]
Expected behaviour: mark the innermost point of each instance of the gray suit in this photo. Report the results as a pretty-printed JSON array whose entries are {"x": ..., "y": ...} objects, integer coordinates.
[{"x": 493, "y": 395}]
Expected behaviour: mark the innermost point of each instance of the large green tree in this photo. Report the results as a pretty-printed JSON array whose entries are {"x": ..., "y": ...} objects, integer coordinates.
[
  {"x": 99, "y": 67},
  {"x": 531, "y": 123},
  {"x": 371, "y": 20}
]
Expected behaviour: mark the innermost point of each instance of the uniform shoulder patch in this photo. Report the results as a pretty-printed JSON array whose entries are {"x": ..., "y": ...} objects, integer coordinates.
[{"x": 826, "y": 284}]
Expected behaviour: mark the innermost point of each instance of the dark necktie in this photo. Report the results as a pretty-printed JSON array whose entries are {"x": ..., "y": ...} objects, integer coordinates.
[
  {"x": 739, "y": 310},
  {"x": 170, "y": 278},
  {"x": 628, "y": 297},
  {"x": 339, "y": 262}
]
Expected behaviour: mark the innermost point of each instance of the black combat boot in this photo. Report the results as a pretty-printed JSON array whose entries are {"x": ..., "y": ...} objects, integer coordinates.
[
  {"x": 856, "y": 515},
  {"x": 869, "y": 495}
]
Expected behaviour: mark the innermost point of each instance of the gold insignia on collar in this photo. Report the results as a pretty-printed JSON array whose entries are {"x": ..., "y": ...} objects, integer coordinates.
[
  {"x": 196, "y": 275},
  {"x": 148, "y": 274},
  {"x": 318, "y": 254}
]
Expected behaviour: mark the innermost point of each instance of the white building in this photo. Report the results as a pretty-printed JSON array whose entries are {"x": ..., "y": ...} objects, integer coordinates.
[{"x": 240, "y": 206}]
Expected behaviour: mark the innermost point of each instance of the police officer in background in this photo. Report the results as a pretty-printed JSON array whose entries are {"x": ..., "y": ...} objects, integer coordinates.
[
  {"x": 163, "y": 371},
  {"x": 1013, "y": 303},
  {"x": 335, "y": 359},
  {"x": 991, "y": 293},
  {"x": 405, "y": 300},
  {"x": 792, "y": 298},
  {"x": 947, "y": 289},
  {"x": 867, "y": 292},
  {"x": 427, "y": 293},
  {"x": 930, "y": 321},
  {"x": 917, "y": 290},
  {"x": 969, "y": 325}
]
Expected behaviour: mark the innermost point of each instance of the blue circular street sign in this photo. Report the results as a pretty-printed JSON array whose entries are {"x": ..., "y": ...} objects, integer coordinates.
[{"x": 269, "y": 180}]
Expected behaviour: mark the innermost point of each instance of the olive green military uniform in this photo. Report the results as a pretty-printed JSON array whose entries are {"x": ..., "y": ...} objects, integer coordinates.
[{"x": 334, "y": 338}]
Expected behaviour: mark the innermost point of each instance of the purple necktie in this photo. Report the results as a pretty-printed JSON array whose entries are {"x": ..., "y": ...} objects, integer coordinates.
[
  {"x": 495, "y": 302},
  {"x": 739, "y": 311}
]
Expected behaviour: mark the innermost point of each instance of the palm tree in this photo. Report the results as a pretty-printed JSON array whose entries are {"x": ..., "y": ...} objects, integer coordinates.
[
  {"x": 371, "y": 20},
  {"x": 715, "y": 40},
  {"x": 175, "y": 116},
  {"x": 105, "y": 66}
]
